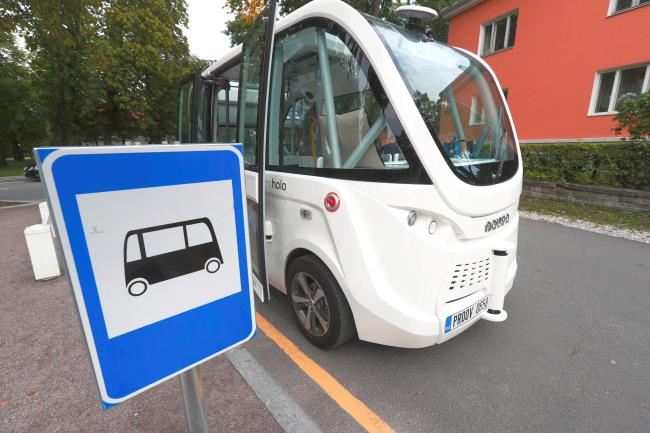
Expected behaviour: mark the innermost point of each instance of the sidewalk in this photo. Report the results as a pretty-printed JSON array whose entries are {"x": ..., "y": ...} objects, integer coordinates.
[{"x": 46, "y": 383}]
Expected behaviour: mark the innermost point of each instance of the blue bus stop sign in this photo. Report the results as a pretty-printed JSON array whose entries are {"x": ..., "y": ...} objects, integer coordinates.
[{"x": 156, "y": 244}]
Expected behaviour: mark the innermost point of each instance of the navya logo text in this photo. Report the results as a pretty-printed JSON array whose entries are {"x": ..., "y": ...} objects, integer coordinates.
[
  {"x": 278, "y": 184},
  {"x": 497, "y": 222}
]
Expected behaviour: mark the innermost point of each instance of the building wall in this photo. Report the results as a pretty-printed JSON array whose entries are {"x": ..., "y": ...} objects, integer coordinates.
[{"x": 559, "y": 47}]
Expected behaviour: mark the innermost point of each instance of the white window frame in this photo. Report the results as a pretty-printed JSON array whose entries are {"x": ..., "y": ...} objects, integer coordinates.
[
  {"x": 493, "y": 35},
  {"x": 615, "y": 88},
  {"x": 612, "y": 7},
  {"x": 473, "y": 113}
]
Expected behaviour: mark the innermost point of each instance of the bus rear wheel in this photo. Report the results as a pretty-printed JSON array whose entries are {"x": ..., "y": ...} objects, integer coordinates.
[
  {"x": 212, "y": 265},
  {"x": 137, "y": 287},
  {"x": 319, "y": 306}
]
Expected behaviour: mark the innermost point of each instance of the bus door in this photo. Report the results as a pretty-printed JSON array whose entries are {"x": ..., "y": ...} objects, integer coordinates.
[
  {"x": 252, "y": 132},
  {"x": 195, "y": 109}
]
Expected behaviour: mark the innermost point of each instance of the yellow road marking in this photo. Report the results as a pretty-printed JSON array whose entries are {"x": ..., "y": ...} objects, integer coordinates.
[{"x": 344, "y": 398}]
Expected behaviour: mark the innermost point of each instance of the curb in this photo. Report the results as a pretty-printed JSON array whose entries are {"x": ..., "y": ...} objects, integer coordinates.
[
  {"x": 283, "y": 408},
  {"x": 632, "y": 235},
  {"x": 21, "y": 204},
  {"x": 12, "y": 178}
]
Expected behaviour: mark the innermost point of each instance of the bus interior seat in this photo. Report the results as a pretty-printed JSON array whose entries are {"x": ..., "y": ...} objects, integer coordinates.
[{"x": 350, "y": 136}]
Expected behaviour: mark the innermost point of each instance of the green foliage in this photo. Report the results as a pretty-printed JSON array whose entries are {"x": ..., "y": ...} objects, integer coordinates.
[
  {"x": 19, "y": 105},
  {"x": 141, "y": 57},
  {"x": 97, "y": 69},
  {"x": 14, "y": 168},
  {"x": 634, "y": 117},
  {"x": 385, "y": 9},
  {"x": 439, "y": 27},
  {"x": 622, "y": 164}
]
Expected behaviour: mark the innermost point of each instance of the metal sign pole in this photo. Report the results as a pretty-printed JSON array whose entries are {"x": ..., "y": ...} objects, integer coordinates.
[{"x": 190, "y": 382}]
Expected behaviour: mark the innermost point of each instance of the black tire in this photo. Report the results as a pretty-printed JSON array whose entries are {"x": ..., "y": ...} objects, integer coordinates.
[
  {"x": 211, "y": 261},
  {"x": 341, "y": 324},
  {"x": 132, "y": 285}
]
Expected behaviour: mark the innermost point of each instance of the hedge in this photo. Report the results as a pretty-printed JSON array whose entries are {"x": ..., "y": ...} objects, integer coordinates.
[{"x": 622, "y": 164}]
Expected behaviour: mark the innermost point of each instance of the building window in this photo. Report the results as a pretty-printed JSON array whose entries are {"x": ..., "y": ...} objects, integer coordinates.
[
  {"x": 622, "y": 5},
  {"x": 613, "y": 87},
  {"x": 476, "y": 113},
  {"x": 499, "y": 34}
]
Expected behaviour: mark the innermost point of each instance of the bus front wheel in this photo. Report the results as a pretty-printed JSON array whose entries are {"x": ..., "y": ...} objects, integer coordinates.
[
  {"x": 137, "y": 287},
  {"x": 319, "y": 306},
  {"x": 212, "y": 265}
]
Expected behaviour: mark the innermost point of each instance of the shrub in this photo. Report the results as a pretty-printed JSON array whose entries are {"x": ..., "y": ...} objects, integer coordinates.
[
  {"x": 623, "y": 164},
  {"x": 634, "y": 117}
]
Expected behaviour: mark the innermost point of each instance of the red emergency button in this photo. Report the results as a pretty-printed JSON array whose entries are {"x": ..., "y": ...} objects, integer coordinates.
[{"x": 332, "y": 202}]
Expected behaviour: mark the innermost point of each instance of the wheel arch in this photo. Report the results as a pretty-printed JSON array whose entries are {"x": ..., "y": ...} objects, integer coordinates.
[{"x": 331, "y": 264}]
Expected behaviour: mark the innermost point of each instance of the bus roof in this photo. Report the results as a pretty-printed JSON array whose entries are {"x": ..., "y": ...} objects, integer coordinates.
[{"x": 204, "y": 220}]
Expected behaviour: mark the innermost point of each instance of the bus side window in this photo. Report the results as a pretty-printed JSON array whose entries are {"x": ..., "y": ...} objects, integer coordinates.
[
  {"x": 198, "y": 234},
  {"x": 326, "y": 118},
  {"x": 164, "y": 241},
  {"x": 225, "y": 108},
  {"x": 204, "y": 112},
  {"x": 132, "y": 249}
]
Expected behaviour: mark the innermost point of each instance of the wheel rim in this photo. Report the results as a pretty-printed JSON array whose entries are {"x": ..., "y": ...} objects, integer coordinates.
[
  {"x": 137, "y": 288},
  {"x": 310, "y": 304},
  {"x": 212, "y": 266}
]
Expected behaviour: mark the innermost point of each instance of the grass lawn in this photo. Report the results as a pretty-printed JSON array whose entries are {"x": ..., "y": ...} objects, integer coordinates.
[
  {"x": 14, "y": 168},
  {"x": 9, "y": 203},
  {"x": 639, "y": 221}
]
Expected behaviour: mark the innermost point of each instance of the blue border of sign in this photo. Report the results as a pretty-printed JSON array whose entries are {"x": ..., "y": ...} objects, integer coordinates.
[{"x": 130, "y": 363}]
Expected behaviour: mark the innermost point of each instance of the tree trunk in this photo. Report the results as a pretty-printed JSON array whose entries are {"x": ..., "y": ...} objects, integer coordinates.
[
  {"x": 375, "y": 7},
  {"x": 108, "y": 134},
  {"x": 3, "y": 158},
  {"x": 18, "y": 152}
]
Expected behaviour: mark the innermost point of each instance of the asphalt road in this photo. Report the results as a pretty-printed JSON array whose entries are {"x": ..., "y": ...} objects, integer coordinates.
[
  {"x": 21, "y": 190},
  {"x": 573, "y": 356}
]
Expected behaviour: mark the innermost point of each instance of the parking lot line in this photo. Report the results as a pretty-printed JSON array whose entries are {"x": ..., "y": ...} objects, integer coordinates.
[{"x": 344, "y": 398}]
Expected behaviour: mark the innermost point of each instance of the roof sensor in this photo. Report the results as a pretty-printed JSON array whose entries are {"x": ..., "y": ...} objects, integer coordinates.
[{"x": 416, "y": 17}]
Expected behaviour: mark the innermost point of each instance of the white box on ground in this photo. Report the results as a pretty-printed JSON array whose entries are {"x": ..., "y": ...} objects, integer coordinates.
[
  {"x": 45, "y": 212},
  {"x": 41, "y": 251},
  {"x": 45, "y": 216}
]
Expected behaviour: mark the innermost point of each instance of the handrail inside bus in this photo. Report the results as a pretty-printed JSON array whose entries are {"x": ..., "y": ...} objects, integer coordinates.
[
  {"x": 328, "y": 96},
  {"x": 365, "y": 143}
]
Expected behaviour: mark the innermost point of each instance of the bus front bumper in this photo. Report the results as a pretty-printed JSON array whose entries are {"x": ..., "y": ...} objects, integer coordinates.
[{"x": 405, "y": 330}]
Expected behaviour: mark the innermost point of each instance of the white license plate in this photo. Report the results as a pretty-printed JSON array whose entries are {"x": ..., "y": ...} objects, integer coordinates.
[{"x": 465, "y": 315}]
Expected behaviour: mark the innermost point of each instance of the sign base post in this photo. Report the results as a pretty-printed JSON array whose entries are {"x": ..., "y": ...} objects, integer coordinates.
[{"x": 190, "y": 381}]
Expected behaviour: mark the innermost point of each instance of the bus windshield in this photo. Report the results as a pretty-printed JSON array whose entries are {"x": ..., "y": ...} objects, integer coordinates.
[{"x": 459, "y": 102}]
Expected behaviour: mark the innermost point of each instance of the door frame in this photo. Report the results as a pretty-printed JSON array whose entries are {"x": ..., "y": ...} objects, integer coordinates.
[{"x": 267, "y": 18}]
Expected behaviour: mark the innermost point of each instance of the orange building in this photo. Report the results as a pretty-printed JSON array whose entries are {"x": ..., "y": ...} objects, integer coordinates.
[{"x": 564, "y": 65}]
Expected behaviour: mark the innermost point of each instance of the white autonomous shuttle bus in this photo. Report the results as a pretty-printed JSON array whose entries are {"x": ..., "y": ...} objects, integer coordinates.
[{"x": 383, "y": 172}]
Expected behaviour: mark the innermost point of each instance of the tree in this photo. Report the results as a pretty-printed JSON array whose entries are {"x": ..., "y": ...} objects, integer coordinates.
[
  {"x": 104, "y": 68},
  {"x": 241, "y": 10},
  {"x": 634, "y": 117},
  {"x": 440, "y": 27},
  {"x": 61, "y": 34},
  {"x": 19, "y": 108},
  {"x": 142, "y": 56}
]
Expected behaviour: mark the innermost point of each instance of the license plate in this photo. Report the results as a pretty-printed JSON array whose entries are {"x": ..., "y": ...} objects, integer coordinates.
[{"x": 465, "y": 315}]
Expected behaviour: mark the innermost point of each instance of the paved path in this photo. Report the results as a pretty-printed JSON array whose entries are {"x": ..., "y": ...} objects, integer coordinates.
[
  {"x": 21, "y": 189},
  {"x": 46, "y": 383},
  {"x": 573, "y": 356}
]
